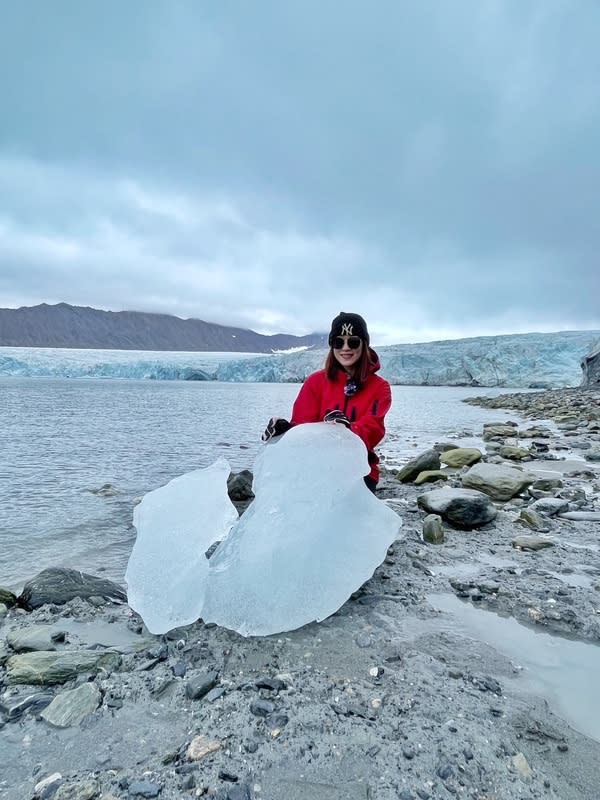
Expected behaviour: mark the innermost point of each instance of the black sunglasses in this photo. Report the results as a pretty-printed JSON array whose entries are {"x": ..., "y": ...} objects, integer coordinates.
[{"x": 353, "y": 342}]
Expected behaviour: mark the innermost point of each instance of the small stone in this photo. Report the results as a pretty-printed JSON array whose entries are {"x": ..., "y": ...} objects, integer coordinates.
[
  {"x": 144, "y": 789},
  {"x": 47, "y": 786},
  {"x": 408, "y": 753},
  {"x": 201, "y": 684},
  {"x": 81, "y": 790},
  {"x": 261, "y": 708},
  {"x": 521, "y": 765},
  {"x": 445, "y": 772},
  {"x": 563, "y": 747},
  {"x": 433, "y": 531},
  {"x": 228, "y": 776},
  {"x": 273, "y": 684},
  {"x": 200, "y": 747},
  {"x": 531, "y": 543}
]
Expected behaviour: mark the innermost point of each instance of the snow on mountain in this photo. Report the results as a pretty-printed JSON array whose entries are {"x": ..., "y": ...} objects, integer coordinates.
[{"x": 535, "y": 360}]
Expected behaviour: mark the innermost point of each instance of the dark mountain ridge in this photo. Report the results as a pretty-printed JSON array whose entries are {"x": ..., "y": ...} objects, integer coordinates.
[{"x": 63, "y": 325}]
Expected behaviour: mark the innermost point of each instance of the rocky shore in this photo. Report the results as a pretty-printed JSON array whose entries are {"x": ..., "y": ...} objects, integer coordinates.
[{"x": 434, "y": 680}]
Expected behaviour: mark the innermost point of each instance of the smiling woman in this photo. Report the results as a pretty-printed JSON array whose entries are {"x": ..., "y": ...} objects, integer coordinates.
[{"x": 346, "y": 391}]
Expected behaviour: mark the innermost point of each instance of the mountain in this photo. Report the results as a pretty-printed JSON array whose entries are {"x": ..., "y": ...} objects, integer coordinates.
[{"x": 63, "y": 325}]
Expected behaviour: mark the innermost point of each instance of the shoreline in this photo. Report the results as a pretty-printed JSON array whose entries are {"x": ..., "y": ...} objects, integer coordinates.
[{"x": 394, "y": 696}]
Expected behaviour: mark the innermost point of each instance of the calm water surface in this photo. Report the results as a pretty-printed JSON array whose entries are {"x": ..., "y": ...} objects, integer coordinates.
[{"x": 63, "y": 439}]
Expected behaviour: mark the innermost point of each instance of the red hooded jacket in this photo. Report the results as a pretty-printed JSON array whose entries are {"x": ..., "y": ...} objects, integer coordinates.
[{"x": 365, "y": 410}]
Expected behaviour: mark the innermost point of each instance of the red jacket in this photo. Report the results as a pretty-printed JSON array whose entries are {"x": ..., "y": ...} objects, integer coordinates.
[{"x": 365, "y": 410}]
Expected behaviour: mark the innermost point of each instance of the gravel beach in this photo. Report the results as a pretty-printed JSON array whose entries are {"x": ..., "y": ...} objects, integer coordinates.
[{"x": 463, "y": 668}]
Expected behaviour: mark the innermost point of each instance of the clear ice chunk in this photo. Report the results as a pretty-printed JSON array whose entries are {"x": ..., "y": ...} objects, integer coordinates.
[
  {"x": 176, "y": 524},
  {"x": 312, "y": 536}
]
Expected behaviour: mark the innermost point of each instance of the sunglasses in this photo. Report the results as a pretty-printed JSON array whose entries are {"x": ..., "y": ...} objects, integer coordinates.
[{"x": 353, "y": 342}]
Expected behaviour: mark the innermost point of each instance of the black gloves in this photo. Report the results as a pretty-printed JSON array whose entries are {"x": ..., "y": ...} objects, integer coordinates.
[
  {"x": 337, "y": 416},
  {"x": 276, "y": 426}
]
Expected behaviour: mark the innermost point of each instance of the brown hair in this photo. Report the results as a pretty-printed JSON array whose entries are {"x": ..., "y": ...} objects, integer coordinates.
[{"x": 361, "y": 370}]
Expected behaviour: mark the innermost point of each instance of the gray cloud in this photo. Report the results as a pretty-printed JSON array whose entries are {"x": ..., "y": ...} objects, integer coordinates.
[{"x": 433, "y": 166}]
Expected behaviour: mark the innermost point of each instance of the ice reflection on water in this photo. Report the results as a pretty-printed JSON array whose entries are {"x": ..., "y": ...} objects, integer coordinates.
[{"x": 563, "y": 671}]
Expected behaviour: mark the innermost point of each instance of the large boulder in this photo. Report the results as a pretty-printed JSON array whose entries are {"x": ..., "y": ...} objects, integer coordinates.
[
  {"x": 463, "y": 508},
  {"x": 499, "y": 481},
  {"x": 58, "y": 585}
]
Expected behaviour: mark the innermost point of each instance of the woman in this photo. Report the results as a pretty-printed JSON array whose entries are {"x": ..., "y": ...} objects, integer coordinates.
[{"x": 347, "y": 391}]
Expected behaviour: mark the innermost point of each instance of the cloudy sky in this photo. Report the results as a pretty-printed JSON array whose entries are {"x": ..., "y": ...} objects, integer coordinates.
[{"x": 432, "y": 165}]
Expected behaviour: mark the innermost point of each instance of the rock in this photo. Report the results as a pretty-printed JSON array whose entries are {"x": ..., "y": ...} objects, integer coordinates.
[
  {"x": 531, "y": 519},
  {"x": 463, "y": 508},
  {"x": 200, "y": 747},
  {"x": 73, "y": 706},
  {"x": 80, "y": 790},
  {"x": 547, "y": 484},
  {"x": 144, "y": 789},
  {"x": 46, "y": 668},
  {"x": 36, "y": 637},
  {"x": 461, "y": 457},
  {"x": 261, "y": 708},
  {"x": 498, "y": 431},
  {"x": 579, "y": 516},
  {"x": 513, "y": 453},
  {"x": 16, "y": 707},
  {"x": 3, "y": 611},
  {"x": 7, "y": 598},
  {"x": 431, "y": 475},
  {"x": 592, "y": 455},
  {"x": 58, "y": 585},
  {"x": 433, "y": 531},
  {"x": 550, "y": 506},
  {"x": 428, "y": 460},
  {"x": 48, "y": 786},
  {"x": 531, "y": 543},
  {"x": 498, "y": 481},
  {"x": 200, "y": 684},
  {"x": 239, "y": 485},
  {"x": 521, "y": 765}
]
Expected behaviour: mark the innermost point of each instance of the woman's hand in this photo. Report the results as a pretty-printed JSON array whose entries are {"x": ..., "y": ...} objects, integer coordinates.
[
  {"x": 337, "y": 416},
  {"x": 276, "y": 426}
]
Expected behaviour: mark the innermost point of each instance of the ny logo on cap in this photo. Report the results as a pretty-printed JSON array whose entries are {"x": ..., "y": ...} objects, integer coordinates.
[{"x": 347, "y": 329}]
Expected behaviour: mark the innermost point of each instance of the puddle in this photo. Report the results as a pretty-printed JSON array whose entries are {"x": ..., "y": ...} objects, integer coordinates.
[
  {"x": 462, "y": 570},
  {"x": 105, "y": 634},
  {"x": 563, "y": 671}
]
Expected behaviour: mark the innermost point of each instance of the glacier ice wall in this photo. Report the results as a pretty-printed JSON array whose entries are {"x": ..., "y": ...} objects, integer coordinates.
[
  {"x": 519, "y": 361},
  {"x": 313, "y": 535}
]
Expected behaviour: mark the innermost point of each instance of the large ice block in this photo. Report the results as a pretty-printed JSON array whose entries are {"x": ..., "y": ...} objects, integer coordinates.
[
  {"x": 313, "y": 535},
  {"x": 176, "y": 524}
]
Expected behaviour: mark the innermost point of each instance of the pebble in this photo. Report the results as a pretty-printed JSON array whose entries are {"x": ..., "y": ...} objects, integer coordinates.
[
  {"x": 261, "y": 708},
  {"x": 144, "y": 789}
]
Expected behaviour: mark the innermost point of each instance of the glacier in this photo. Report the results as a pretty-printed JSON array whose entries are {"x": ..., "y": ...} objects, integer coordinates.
[
  {"x": 312, "y": 536},
  {"x": 531, "y": 360}
]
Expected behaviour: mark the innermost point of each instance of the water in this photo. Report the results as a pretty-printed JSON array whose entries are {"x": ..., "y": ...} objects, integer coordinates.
[
  {"x": 62, "y": 439},
  {"x": 562, "y": 671}
]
